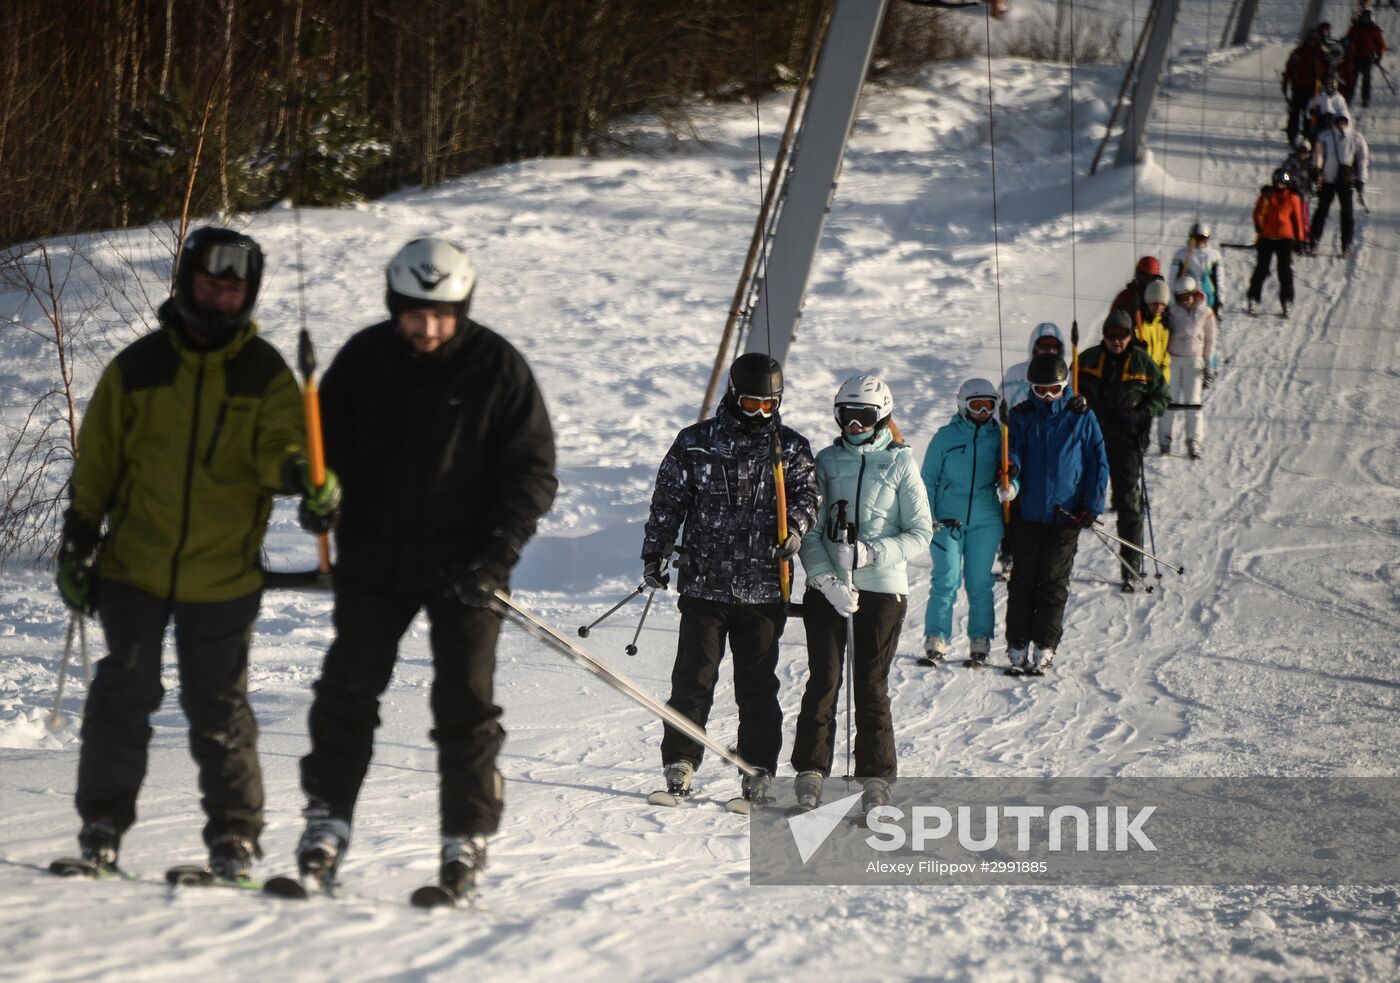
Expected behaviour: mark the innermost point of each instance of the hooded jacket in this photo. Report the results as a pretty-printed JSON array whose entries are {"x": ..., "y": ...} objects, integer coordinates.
[
  {"x": 1014, "y": 387},
  {"x": 1193, "y": 330},
  {"x": 716, "y": 481},
  {"x": 960, "y": 472},
  {"x": 1063, "y": 463},
  {"x": 182, "y": 450},
  {"x": 1207, "y": 266},
  {"x": 891, "y": 515},
  {"x": 1336, "y": 149}
]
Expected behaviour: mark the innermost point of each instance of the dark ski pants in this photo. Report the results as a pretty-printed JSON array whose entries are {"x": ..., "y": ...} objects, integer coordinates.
[
  {"x": 1039, "y": 586},
  {"x": 1324, "y": 203},
  {"x": 877, "y": 625},
  {"x": 466, "y": 723},
  {"x": 1281, "y": 252},
  {"x": 1297, "y": 112},
  {"x": 1125, "y": 476},
  {"x": 753, "y": 632},
  {"x": 211, "y": 652}
]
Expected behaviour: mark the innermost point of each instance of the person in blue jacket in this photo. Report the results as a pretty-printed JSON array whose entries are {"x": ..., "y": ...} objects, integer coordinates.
[
  {"x": 1063, "y": 469},
  {"x": 871, "y": 477},
  {"x": 961, "y": 475}
]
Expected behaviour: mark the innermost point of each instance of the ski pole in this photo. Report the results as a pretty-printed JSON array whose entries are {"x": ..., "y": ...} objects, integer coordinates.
[
  {"x": 583, "y": 630},
  {"x": 1386, "y": 75},
  {"x": 1098, "y": 527},
  {"x": 646, "y": 610},
  {"x": 315, "y": 446},
  {"x": 1006, "y": 472},
  {"x": 780, "y": 490},
  {"x": 849, "y": 531},
  {"x": 1074, "y": 355},
  {"x": 1128, "y": 572},
  {"x": 1361, "y": 197},
  {"x": 57, "y": 718},
  {"x": 517, "y": 615},
  {"x": 83, "y": 649},
  {"x": 1147, "y": 511}
]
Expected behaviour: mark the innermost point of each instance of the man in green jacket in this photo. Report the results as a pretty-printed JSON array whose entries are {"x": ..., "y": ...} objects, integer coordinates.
[
  {"x": 191, "y": 431},
  {"x": 1126, "y": 391}
]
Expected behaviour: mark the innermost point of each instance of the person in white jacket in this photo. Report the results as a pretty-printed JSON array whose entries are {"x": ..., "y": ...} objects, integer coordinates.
[
  {"x": 1192, "y": 346},
  {"x": 1342, "y": 161},
  {"x": 1323, "y": 108},
  {"x": 1204, "y": 263}
]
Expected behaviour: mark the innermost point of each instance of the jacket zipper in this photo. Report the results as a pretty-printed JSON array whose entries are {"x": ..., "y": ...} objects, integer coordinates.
[
  {"x": 189, "y": 481},
  {"x": 218, "y": 429},
  {"x": 972, "y": 483}
]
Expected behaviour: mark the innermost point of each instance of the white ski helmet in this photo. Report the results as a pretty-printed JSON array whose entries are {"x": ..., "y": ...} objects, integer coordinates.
[
  {"x": 864, "y": 399},
  {"x": 977, "y": 389},
  {"x": 1201, "y": 230},
  {"x": 1185, "y": 285},
  {"x": 430, "y": 271},
  {"x": 1156, "y": 293}
]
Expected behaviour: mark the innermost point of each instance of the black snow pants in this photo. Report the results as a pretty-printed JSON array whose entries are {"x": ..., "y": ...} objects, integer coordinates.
[
  {"x": 1298, "y": 112},
  {"x": 1280, "y": 251},
  {"x": 1125, "y": 477},
  {"x": 369, "y": 622},
  {"x": 1343, "y": 193},
  {"x": 753, "y": 632},
  {"x": 211, "y": 652},
  {"x": 1035, "y": 599},
  {"x": 877, "y": 625}
]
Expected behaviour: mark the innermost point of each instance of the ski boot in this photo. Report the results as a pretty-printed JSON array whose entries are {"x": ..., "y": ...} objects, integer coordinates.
[
  {"x": 1040, "y": 660},
  {"x": 980, "y": 650},
  {"x": 1193, "y": 450},
  {"x": 1017, "y": 656},
  {"x": 231, "y": 857},
  {"x": 463, "y": 860},
  {"x": 1346, "y": 250},
  {"x": 757, "y": 787},
  {"x": 679, "y": 775},
  {"x": 1165, "y": 447},
  {"x": 98, "y": 844},
  {"x": 935, "y": 648},
  {"x": 808, "y": 788},
  {"x": 1253, "y": 308},
  {"x": 1287, "y": 311},
  {"x": 876, "y": 793},
  {"x": 322, "y": 845}
]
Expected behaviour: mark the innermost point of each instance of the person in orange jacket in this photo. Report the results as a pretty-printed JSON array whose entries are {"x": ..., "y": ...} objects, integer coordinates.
[{"x": 1278, "y": 219}]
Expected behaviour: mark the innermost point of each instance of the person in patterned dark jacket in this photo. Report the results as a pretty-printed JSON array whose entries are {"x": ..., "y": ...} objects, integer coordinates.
[{"x": 715, "y": 489}]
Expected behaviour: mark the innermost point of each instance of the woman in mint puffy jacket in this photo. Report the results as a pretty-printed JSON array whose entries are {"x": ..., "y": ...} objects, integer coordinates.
[
  {"x": 871, "y": 472},
  {"x": 961, "y": 471}
]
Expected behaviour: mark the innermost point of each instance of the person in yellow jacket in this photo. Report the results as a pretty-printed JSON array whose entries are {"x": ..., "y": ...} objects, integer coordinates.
[
  {"x": 1151, "y": 333},
  {"x": 191, "y": 431}
]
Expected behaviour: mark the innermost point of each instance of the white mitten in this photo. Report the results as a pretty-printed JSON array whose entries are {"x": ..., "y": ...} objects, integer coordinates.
[
  {"x": 846, "y": 600},
  {"x": 1006, "y": 494},
  {"x": 846, "y": 553}
]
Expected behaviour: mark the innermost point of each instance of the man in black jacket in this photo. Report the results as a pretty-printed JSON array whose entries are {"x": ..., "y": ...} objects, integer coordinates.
[
  {"x": 1126, "y": 391},
  {"x": 440, "y": 437},
  {"x": 717, "y": 482}
]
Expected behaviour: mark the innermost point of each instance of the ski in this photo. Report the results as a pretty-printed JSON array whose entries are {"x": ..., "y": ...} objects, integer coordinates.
[
  {"x": 661, "y": 797},
  {"x": 974, "y": 664},
  {"x": 192, "y": 875},
  {"x": 1013, "y": 671},
  {"x": 928, "y": 663},
  {"x": 78, "y": 867},
  {"x": 744, "y": 807},
  {"x": 290, "y": 888}
]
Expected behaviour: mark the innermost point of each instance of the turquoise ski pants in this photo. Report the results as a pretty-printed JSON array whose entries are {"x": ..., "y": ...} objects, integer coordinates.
[{"x": 963, "y": 555}]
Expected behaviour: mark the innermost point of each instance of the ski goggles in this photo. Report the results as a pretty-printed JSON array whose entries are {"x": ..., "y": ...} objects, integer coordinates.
[
  {"x": 1047, "y": 346},
  {"x": 227, "y": 261},
  {"x": 981, "y": 405},
  {"x": 862, "y": 414},
  {"x": 759, "y": 404},
  {"x": 1116, "y": 334},
  {"x": 1051, "y": 391}
]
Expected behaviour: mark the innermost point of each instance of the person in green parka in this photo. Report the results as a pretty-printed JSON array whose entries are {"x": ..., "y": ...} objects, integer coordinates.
[
  {"x": 191, "y": 431},
  {"x": 961, "y": 473},
  {"x": 871, "y": 475}
]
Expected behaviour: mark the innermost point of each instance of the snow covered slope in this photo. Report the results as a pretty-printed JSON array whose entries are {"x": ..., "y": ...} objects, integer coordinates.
[{"x": 1274, "y": 654}]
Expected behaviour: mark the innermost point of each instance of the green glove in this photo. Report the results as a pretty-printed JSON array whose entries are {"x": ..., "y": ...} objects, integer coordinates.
[
  {"x": 320, "y": 506},
  {"x": 77, "y": 557}
]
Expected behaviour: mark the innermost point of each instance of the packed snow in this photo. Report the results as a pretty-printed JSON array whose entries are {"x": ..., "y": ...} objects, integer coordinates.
[{"x": 1272, "y": 655}]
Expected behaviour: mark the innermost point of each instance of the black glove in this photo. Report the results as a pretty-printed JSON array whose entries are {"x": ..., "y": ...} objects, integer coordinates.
[
  {"x": 788, "y": 547},
  {"x": 1077, "y": 404},
  {"x": 1084, "y": 518},
  {"x": 652, "y": 575},
  {"x": 950, "y": 523},
  {"x": 477, "y": 582},
  {"x": 77, "y": 556}
]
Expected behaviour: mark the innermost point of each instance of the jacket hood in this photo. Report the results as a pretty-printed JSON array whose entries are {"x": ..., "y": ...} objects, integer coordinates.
[
  {"x": 1046, "y": 330},
  {"x": 171, "y": 321}
]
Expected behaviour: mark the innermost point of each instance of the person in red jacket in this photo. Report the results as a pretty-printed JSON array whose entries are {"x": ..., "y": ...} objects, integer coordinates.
[
  {"x": 1130, "y": 298},
  {"x": 1365, "y": 45},
  {"x": 1307, "y": 66},
  {"x": 1278, "y": 218}
]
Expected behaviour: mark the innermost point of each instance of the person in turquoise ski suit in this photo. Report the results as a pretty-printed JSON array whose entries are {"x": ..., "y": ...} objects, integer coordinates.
[{"x": 961, "y": 474}]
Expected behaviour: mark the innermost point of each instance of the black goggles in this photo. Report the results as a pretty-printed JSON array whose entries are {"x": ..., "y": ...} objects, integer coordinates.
[
  {"x": 861, "y": 413},
  {"x": 227, "y": 261}
]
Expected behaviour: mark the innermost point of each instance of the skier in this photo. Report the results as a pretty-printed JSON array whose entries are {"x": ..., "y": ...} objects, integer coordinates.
[
  {"x": 443, "y": 444},
  {"x": 960, "y": 473},
  {"x": 1130, "y": 298},
  {"x": 1126, "y": 391},
  {"x": 717, "y": 482},
  {"x": 1193, "y": 329},
  {"x": 1059, "y": 448},
  {"x": 1278, "y": 220},
  {"x": 1323, "y": 108},
  {"x": 1151, "y": 333},
  {"x": 191, "y": 431},
  {"x": 1307, "y": 66},
  {"x": 1299, "y": 168},
  {"x": 870, "y": 471},
  {"x": 1365, "y": 44},
  {"x": 1198, "y": 258},
  {"x": 1341, "y": 159},
  {"x": 1045, "y": 339}
]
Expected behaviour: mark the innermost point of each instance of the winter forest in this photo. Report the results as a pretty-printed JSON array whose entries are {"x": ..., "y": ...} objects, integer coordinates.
[{"x": 464, "y": 670}]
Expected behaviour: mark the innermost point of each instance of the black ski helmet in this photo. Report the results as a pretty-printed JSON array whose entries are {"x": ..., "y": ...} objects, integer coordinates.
[
  {"x": 1046, "y": 370},
  {"x": 1281, "y": 176},
  {"x": 756, "y": 374},
  {"x": 226, "y": 255}
]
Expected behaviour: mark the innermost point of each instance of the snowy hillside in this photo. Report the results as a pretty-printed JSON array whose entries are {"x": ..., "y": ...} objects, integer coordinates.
[{"x": 1275, "y": 653}]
